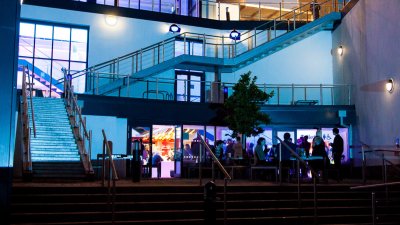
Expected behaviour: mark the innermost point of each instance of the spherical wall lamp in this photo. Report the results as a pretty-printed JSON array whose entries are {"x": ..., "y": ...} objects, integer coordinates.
[
  {"x": 340, "y": 50},
  {"x": 234, "y": 35},
  {"x": 111, "y": 20},
  {"x": 390, "y": 85},
  {"x": 174, "y": 28}
]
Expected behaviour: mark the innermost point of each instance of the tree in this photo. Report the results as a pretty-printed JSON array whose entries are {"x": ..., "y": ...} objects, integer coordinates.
[{"x": 242, "y": 108}]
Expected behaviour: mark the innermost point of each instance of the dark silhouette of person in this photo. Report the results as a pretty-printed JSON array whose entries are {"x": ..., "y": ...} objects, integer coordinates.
[
  {"x": 306, "y": 145},
  {"x": 156, "y": 162},
  {"x": 337, "y": 152},
  {"x": 315, "y": 7},
  {"x": 259, "y": 152},
  {"x": 285, "y": 151},
  {"x": 319, "y": 150}
]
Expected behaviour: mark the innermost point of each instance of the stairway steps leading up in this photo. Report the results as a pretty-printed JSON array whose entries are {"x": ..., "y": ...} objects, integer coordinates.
[{"x": 184, "y": 205}]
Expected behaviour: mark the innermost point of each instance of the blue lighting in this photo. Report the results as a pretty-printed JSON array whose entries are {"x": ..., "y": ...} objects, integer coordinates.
[
  {"x": 174, "y": 28},
  {"x": 234, "y": 35}
]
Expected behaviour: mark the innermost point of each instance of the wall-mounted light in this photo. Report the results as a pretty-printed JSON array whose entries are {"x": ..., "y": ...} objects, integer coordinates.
[
  {"x": 340, "y": 50},
  {"x": 234, "y": 35},
  {"x": 390, "y": 85},
  {"x": 111, "y": 20},
  {"x": 174, "y": 28}
]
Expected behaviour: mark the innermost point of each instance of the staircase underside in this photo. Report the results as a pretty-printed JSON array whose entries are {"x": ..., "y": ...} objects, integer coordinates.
[{"x": 227, "y": 65}]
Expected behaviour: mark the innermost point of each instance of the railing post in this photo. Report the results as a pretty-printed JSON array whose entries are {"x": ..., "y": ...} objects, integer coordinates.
[
  {"x": 128, "y": 85},
  {"x": 219, "y": 11},
  {"x": 320, "y": 95},
  {"x": 223, "y": 47},
  {"x": 141, "y": 59},
  {"x": 184, "y": 43},
  {"x": 255, "y": 38},
  {"x": 163, "y": 51},
  {"x": 373, "y": 197},
  {"x": 204, "y": 44},
  {"x": 292, "y": 93},
  {"x": 278, "y": 95},
  {"x": 97, "y": 83},
  {"x": 280, "y": 10},
  {"x": 294, "y": 19},
  {"x": 234, "y": 49},
  {"x": 157, "y": 87},
  {"x": 259, "y": 11},
  {"x": 275, "y": 28}
]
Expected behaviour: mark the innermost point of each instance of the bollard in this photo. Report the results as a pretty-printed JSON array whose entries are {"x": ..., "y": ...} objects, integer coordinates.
[{"x": 210, "y": 201}]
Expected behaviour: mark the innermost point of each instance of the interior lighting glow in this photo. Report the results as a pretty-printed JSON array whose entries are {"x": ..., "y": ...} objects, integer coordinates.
[
  {"x": 340, "y": 50},
  {"x": 111, "y": 20},
  {"x": 390, "y": 85}
]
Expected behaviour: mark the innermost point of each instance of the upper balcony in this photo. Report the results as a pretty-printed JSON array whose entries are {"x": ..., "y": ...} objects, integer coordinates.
[{"x": 223, "y": 10}]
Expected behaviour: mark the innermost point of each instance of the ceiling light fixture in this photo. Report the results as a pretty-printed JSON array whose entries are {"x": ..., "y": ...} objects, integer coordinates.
[{"x": 174, "y": 28}]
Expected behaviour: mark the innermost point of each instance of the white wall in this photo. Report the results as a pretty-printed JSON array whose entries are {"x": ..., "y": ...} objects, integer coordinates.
[
  {"x": 115, "y": 129},
  {"x": 369, "y": 35},
  {"x": 306, "y": 62}
]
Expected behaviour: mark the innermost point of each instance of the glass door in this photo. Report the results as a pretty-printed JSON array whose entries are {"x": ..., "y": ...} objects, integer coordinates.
[{"x": 189, "y": 86}]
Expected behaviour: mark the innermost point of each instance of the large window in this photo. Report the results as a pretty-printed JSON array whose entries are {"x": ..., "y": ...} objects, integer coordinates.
[{"x": 47, "y": 48}]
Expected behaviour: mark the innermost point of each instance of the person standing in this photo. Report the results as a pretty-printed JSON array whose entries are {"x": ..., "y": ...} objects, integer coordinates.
[
  {"x": 337, "y": 151},
  {"x": 306, "y": 145},
  {"x": 238, "y": 148},
  {"x": 315, "y": 7}
]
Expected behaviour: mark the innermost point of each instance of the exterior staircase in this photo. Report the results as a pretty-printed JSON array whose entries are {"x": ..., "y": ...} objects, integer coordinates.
[
  {"x": 170, "y": 204},
  {"x": 54, "y": 151}
]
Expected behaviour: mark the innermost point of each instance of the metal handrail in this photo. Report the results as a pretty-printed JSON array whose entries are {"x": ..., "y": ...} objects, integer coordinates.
[
  {"x": 313, "y": 172},
  {"x": 384, "y": 160},
  {"x": 227, "y": 177},
  {"x": 208, "y": 5},
  {"x": 137, "y": 56},
  {"x": 26, "y": 130},
  {"x": 112, "y": 175},
  {"x": 325, "y": 95},
  {"x": 373, "y": 196},
  {"x": 75, "y": 111}
]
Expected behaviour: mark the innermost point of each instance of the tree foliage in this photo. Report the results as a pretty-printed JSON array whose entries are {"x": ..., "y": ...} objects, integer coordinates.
[{"x": 243, "y": 114}]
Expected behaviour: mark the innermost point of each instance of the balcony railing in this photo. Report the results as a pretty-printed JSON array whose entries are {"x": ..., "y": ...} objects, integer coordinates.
[
  {"x": 217, "y": 10},
  {"x": 215, "y": 92}
]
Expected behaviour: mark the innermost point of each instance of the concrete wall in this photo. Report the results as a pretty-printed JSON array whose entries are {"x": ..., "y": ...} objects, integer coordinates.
[{"x": 369, "y": 34}]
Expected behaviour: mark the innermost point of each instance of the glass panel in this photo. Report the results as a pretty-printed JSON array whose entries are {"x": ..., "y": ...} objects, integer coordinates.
[
  {"x": 146, "y": 5},
  {"x": 143, "y": 134},
  {"x": 26, "y": 46},
  {"x": 61, "y": 43},
  {"x": 26, "y": 32},
  {"x": 181, "y": 87},
  {"x": 79, "y": 82},
  {"x": 195, "y": 88},
  {"x": 197, "y": 48},
  {"x": 134, "y": 4},
  {"x": 123, "y": 3},
  {"x": 168, "y": 6},
  {"x": 163, "y": 148},
  {"x": 109, "y": 2},
  {"x": 57, "y": 66},
  {"x": 43, "y": 42},
  {"x": 184, "y": 8},
  {"x": 79, "y": 45}
]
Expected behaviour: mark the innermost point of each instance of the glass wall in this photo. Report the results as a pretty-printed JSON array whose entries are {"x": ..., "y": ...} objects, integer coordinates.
[{"x": 46, "y": 49}]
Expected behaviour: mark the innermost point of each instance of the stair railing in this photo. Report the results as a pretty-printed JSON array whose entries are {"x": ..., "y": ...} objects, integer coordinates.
[
  {"x": 379, "y": 152},
  {"x": 78, "y": 123},
  {"x": 373, "y": 195},
  {"x": 313, "y": 172},
  {"x": 112, "y": 174},
  {"x": 213, "y": 46},
  {"x": 215, "y": 160},
  {"x": 26, "y": 130}
]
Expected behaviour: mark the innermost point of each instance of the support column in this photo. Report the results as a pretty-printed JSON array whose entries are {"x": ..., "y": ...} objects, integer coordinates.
[{"x": 9, "y": 30}]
